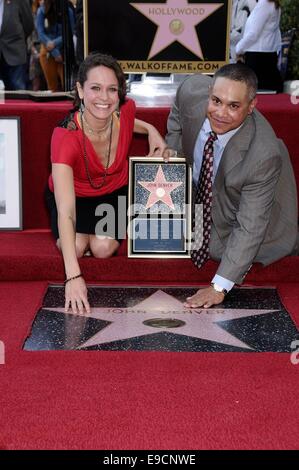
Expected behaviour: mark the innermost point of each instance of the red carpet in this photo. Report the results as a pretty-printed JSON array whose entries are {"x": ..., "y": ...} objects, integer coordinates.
[
  {"x": 133, "y": 400},
  {"x": 32, "y": 255},
  {"x": 112, "y": 400}
]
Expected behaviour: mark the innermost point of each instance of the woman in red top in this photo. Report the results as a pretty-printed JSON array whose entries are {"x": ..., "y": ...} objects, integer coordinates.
[{"x": 90, "y": 170}]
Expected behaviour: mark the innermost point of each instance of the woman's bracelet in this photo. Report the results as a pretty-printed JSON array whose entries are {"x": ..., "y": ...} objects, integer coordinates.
[{"x": 72, "y": 278}]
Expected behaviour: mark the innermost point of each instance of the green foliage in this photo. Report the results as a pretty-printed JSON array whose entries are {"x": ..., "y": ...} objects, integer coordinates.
[{"x": 289, "y": 20}]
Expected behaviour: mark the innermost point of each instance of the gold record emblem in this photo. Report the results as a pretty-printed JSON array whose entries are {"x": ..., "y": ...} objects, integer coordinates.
[
  {"x": 176, "y": 27},
  {"x": 164, "y": 323}
]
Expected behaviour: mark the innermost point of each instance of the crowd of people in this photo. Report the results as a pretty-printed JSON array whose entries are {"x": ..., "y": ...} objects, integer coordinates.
[{"x": 31, "y": 44}]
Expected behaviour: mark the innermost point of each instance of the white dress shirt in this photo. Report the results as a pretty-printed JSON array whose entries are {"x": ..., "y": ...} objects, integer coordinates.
[
  {"x": 261, "y": 32},
  {"x": 240, "y": 12},
  {"x": 219, "y": 146}
]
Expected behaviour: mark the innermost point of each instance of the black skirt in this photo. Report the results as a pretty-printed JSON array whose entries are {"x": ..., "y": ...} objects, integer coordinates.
[
  {"x": 101, "y": 215},
  {"x": 264, "y": 65}
]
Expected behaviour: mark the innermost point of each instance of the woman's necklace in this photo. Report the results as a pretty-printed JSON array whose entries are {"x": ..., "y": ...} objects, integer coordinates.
[
  {"x": 97, "y": 132},
  {"x": 108, "y": 152}
]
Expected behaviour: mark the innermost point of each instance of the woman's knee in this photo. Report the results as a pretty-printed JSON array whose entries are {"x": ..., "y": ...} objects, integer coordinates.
[
  {"x": 82, "y": 243},
  {"x": 103, "y": 248},
  {"x": 80, "y": 250},
  {"x": 80, "y": 246}
]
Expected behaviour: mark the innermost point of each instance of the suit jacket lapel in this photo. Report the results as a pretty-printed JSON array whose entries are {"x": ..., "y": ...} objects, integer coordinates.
[
  {"x": 234, "y": 152},
  {"x": 191, "y": 127}
]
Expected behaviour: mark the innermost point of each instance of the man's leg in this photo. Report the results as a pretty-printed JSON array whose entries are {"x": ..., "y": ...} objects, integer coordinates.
[{"x": 13, "y": 76}]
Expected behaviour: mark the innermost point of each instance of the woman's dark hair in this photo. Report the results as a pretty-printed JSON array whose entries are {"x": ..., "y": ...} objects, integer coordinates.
[
  {"x": 52, "y": 12},
  {"x": 277, "y": 3},
  {"x": 95, "y": 60}
]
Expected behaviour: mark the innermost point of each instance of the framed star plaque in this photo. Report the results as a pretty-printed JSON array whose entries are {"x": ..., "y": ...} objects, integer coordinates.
[
  {"x": 160, "y": 36},
  {"x": 159, "y": 213}
]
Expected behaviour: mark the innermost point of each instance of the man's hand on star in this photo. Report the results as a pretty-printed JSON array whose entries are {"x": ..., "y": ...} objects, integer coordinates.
[{"x": 205, "y": 298}]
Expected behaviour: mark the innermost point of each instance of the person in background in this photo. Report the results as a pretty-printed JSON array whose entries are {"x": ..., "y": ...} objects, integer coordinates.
[
  {"x": 16, "y": 24},
  {"x": 261, "y": 43},
  {"x": 240, "y": 11},
  {"x": 243, "y": 177},
  {"x": 36, "y": 75},
  {"x": 49, "y": 28},
  {"x": 89, "y": 156},
  {"x": 79, "y": 32}
]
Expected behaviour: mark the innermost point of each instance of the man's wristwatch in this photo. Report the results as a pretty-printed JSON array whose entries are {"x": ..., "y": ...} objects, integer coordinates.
[{"x": 218, "y": 288}]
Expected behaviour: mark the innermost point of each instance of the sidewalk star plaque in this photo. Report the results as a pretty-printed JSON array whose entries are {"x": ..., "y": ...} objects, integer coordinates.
[
  {"x": 159, "y": 212},
  {"x": 176, "y": 21},
  {"x": 170, "y": 36},
  {"x": 143, "y": 318},
  {"x": 160, "y": 189}
]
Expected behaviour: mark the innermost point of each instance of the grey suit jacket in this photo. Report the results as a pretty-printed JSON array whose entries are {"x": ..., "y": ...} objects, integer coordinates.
[
  {"x": 254, "y": 208},
  {"x": 17, "y": 24}
]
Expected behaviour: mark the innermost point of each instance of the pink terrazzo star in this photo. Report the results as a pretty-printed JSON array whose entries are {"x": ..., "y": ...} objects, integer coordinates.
[
  {"x": 176, "y": 21},
  {"x": 160, "y": 189},
  {"x": 128, "y": 322}
]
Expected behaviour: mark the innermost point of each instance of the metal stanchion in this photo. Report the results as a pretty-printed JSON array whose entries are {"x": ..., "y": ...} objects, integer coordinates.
[{"x": 68, "y": 46}]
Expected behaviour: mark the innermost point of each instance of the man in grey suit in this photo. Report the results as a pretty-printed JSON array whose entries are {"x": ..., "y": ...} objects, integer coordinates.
[
  {"x": 254, "y": 199},
  {"x": 16, "y": 24}
]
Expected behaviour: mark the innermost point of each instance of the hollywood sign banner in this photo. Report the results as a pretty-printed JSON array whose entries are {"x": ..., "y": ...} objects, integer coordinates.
[{"x": 170, "y": 36}]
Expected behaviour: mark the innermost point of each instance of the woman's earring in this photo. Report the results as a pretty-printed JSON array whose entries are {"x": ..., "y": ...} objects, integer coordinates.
[
  {"x": 118, "y": 110},
  {"x": 82, "y": 107}
]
